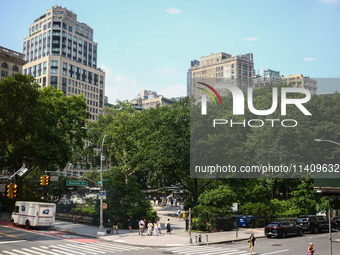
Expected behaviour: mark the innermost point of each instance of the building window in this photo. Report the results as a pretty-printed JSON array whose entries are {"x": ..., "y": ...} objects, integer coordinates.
[
  {"x": 64, "y": 68},
  {"x": 44, "y": 67},
  {"x": 4, "y": 65},
  {"x": 54, "y": 66},
  {"x": 44, "y": 82},
  {"x": 3, "y": 73},
  {"x": 54, "y": 81}
]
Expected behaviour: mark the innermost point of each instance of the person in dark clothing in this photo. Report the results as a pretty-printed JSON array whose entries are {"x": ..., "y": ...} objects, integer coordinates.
[
  {"x": 252, "y": 242},
  {"x": 115, "y": 225},
  {"x": 168, "y": 227},
  {"x": 130, "y": 220}
]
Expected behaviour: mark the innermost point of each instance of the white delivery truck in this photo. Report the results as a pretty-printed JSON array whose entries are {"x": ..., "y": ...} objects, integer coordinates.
[{"x": 34, "y": 214}]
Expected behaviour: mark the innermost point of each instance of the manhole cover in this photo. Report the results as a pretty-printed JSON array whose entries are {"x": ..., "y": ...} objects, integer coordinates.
[{"x": 276, "y": 244}]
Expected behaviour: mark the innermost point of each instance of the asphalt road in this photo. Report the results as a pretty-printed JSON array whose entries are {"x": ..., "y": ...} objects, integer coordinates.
[{"x": 17, "y": 240}]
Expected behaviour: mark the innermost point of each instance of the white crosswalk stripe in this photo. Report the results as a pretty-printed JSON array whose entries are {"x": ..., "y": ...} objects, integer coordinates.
[
  {"x": 204, "y": 250},
  {"x": 96, "y": 248}
]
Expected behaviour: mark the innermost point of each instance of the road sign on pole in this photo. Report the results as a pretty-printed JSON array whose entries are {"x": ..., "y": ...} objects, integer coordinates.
[
  {"x": 76, "y": 183},
  {"x": 102, "y": 194},
  {"x": 54, "y": 178}
]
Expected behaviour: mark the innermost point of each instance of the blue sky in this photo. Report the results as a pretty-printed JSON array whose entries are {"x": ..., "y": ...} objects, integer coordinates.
[{"x": 149, "y": 44}]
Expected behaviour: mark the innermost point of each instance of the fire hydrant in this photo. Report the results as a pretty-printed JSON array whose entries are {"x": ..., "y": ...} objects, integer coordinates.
[{"x": 199, "y": 238}]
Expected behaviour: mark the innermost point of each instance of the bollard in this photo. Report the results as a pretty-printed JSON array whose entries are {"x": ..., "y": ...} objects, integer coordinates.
[
  {"x": 206, "y": 238},
  {"x": 199, "y": 238},
  {"x": 196, "y": 238}
]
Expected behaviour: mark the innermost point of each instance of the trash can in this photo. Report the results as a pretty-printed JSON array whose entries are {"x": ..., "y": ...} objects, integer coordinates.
[{"x": 244, "y": 221}]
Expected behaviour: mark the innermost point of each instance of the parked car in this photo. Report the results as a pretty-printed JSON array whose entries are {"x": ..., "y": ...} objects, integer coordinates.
[
  {"x": 336, "y": 221},
  {"x": 282, "y": 229},
  {"x": 313, "y": 223}
]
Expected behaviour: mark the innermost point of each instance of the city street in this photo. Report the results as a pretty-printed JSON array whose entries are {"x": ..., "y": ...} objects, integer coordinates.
[{"x": 18, "y": 240}]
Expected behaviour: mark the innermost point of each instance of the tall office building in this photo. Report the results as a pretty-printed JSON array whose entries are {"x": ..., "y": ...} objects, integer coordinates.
[
  {"x": 60, "y": 52},
  {"x": 238, "y": 70}
]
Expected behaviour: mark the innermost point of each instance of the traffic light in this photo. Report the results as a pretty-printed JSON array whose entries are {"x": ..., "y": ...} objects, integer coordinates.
[
  {"x": 104, "y": 206},
  {"x": 43, "y": 180},
  {"x": 11, "y": 190},
  {"x": 15, "y": 190},
  {"x": 47, "y": 178}
]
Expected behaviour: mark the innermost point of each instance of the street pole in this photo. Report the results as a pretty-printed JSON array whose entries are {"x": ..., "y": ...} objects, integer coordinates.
[
  {"x": 330, "y": 226},
  {"x": 190, "y": 239},
  {"x": 101, "y": 227}
]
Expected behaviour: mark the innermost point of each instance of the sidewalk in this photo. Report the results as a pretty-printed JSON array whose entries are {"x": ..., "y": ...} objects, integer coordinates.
[{"x": 178, "y": 237}]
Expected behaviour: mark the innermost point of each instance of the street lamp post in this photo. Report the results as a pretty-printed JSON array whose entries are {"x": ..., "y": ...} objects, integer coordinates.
[
  {"x": 329, "y": 203},
  {"x": 101, "y": 227}
]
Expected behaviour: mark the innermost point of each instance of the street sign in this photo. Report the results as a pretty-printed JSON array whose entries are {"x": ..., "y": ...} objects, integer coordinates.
[
  {"x": 54, "y": 178},
  {"x": 104, "y": 180},
  {"x": 21, "y": 171},
  {"x": 235, "y": 207},
  {"x": 2, "y": 187},
  {"x": 102, "y": 194},
  {"x": 76, "y": 183}
]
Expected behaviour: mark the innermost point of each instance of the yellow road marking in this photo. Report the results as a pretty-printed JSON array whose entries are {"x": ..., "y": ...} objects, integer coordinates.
[{"x": 11, "y": 236}]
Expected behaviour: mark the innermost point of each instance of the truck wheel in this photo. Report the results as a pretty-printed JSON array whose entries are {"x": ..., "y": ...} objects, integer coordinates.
[
  {"x": 300, "y": 233},
  {"x": 27, "y": 224},
  {"x": 284, "y": 234}
]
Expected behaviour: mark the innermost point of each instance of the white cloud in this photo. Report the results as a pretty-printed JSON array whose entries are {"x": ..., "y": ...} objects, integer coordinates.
[
  {"x": 173, "y": 11},
  {"x": 251, "y": 39},
  {"x": 309, "y": 59},
  {"x": 166, "y": 70},
  {"x": 176, "y": 90},
  {"x": 120, "y": 86}
]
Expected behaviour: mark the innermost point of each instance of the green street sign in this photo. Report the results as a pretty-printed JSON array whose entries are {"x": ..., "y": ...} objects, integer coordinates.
[
  {"x": 76, "y": 183},
  {"x": 105, "y": 180}
]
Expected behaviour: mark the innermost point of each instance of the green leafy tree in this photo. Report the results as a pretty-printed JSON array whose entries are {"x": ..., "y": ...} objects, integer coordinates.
[{"x": 40, "y": 128}]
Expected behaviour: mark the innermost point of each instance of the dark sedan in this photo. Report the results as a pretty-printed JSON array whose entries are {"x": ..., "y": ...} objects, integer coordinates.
[{"x": 282, "y": 229}]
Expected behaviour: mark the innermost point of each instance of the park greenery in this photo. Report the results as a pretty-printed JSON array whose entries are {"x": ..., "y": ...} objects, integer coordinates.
[{"x": 151, "y": 149}]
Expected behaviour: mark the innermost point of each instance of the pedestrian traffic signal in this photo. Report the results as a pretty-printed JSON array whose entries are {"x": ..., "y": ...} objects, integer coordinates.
[
  {"x": 12, "y": 190},
  {"x": 44, "y": 180},
  {"x": 104, "y": 206}
]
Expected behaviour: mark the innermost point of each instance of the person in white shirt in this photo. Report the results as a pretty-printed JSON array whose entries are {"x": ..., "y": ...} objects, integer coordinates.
[{"x": 141, "y": 227}]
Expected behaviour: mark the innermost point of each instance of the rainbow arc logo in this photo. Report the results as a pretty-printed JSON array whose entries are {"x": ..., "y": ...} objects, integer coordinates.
[{"x": 209, "y": 93}]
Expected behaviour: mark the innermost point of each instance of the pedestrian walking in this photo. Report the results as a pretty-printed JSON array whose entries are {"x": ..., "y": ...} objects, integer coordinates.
[
  {"x": 154, "y": 200},
  {"x": 159, "y": 226},
  {"x": 179, "y": 213},
  {"x": 155, "y": 228},
  {"x": 175, "y": 201},
  {"x": 168, "y": 226},
  {"x": 311, "y": 249},
  {"x": 130, "y": 220},
  {"x": 171, "y": 201},
  {"x": 145, "y": 223},
  {"x": 150, "y": 226},
  {"x": 141, "y": 227},
  {"x": 252, "y": 242},
  {"x": 115, "y": 225}
]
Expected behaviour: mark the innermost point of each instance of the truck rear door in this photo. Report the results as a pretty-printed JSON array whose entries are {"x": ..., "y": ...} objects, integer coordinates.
[{"x": 45, "y": 214}]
